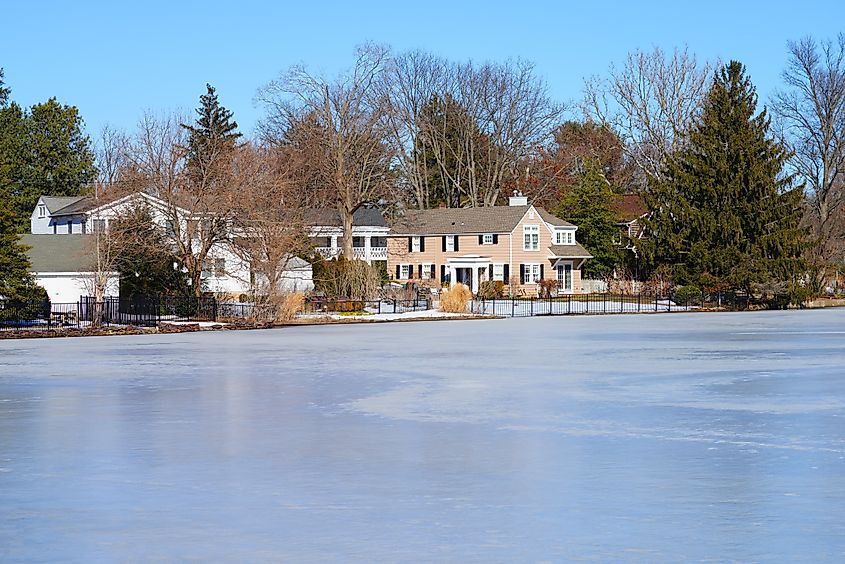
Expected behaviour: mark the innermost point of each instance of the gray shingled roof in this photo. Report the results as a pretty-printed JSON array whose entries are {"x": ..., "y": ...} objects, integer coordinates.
[
  {"x": 59, "y": 253},
  {"x": 58, "y": 203},
  {"x": 553, "y": 219},
  {"x": 81, "y": 205},
  {"x": 457, "y": 221},
  {"x": 570, "y": 251},
  {"x": 331, "y": 217}
]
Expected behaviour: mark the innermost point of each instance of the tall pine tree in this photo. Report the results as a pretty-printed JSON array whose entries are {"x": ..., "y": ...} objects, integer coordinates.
[
  {"x": 214, "y": 134},
  {"x": 587, "y": 205},
  {"x": 42, "y": 151},
  {"x": 725, "y": 214},
  {"x": 17, "y": 286}
]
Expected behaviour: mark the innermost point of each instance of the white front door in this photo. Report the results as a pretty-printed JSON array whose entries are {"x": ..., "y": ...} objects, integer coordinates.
[{"x": 564, "y": 277}]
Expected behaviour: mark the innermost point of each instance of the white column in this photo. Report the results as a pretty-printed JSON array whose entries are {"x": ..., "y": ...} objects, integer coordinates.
[
  {"x": 452, "y": 275},
  {"x": 367, "y": 253},
  {"x": 474, "y": 280},
  {"x": 333, "y": 243}
]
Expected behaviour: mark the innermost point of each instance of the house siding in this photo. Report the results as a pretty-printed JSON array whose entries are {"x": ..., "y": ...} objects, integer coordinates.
[{"x": 508, "y": 250}]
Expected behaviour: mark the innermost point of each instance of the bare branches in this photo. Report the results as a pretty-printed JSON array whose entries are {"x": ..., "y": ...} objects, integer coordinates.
[
  {"x": 463, "y": 129},
  {"x": 812, "y": 112},
  {"x": 344, "y": 120},
  {"x": 650, "y": 102}
]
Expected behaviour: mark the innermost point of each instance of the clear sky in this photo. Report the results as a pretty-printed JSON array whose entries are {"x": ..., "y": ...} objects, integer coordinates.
[{"x": 115, "y": 59}]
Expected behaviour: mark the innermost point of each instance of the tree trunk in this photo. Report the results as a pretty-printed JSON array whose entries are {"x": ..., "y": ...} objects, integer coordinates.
[{"x": 346, "y": 216}]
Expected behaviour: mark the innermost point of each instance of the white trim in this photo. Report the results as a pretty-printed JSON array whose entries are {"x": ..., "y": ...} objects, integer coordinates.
[{"x": 531, "y": 229}]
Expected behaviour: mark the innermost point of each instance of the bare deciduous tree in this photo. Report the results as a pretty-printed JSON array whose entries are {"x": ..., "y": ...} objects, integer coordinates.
[
  {"x": 650, "y": 102},
  {"x": 345, "y": 121},
  {"x": 812, "y": 113},
  {"x": 198, "y": 205},
  {"x": 268, "y": 220},
  {"x": 477, "y": 123}
]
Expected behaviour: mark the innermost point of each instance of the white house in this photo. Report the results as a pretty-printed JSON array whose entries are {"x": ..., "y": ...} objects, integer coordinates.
[
  {"x": 225, "y": 271},
  {"x": 64, "y": 266}
]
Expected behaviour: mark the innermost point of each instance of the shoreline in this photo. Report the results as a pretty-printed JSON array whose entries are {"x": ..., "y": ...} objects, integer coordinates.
[{"x": 195, "y": 327}]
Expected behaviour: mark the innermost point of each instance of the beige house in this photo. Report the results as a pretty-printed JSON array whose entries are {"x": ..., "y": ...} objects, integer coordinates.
[{"x": 518, "y": 244}]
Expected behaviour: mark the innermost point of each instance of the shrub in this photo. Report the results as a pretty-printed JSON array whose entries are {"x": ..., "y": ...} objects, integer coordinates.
[
  {"x": 288, "y": 305},
  {"x": 455, "y": 299},
  {"x": 688, "y": 294},
  {"x": 341, "y": 278},
  {"x": 546, "y": 288},
  {"x": 492, "y": 289}
]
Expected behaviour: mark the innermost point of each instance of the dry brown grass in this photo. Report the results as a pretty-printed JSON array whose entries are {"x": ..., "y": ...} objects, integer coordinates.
[
  {"x": 288, "y": 305},
  {"x": 455, "y": 299}
]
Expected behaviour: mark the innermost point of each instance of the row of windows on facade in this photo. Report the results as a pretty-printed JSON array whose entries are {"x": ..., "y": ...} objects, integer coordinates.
[
  {"x": 529, "y": 273},
  {"x": 530, "y": 242},
  {"x": 357, "y": 242}
]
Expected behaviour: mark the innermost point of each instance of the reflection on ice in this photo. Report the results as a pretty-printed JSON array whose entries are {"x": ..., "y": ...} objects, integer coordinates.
[{"x": 669, "y": 438}]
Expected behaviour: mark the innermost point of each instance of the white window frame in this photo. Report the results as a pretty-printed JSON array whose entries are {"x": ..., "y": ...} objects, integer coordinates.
[
  {"x": 564, "y": 237},
  {"x": 530, "y": 237},
  {"x": 426, "y": 271},
  {"x": 487, "y": 239},
  {"x": 404, "y": 271},
  {"x": 42, "y": 211},
  {"x": 450, "y": 243},
  {"x": 499, "y": 271},
  {"x": 532, "y": 272},
  {"x": 416, "y": 244}
]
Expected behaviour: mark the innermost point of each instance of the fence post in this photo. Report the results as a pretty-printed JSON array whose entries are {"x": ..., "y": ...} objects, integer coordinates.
[{"x": 513, "y": 307}]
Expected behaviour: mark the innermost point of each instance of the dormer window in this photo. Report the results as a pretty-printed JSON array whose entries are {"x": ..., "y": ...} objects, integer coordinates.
[
  {"x": 564, "y": 237},
  {"x": 42, "y": 211}
]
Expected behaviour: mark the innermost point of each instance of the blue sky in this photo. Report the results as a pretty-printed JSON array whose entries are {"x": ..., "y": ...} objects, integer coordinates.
[{"x": 115, "y": 59}]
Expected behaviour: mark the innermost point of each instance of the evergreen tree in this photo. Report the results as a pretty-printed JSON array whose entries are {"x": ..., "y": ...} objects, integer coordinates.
[
  {"x": 587, "y": 205},
  {"x": 725, "y": 214},
  {"x": 4, "y": 90},
  {"x": 144, "y": 260},
  {"x": 17, "y": 286},
  {"x": 42, "y": 151},
  {"x": 214, "y": 134}
]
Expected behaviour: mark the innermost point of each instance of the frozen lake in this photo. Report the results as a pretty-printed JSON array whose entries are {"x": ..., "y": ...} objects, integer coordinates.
[{"x": 654, "y": 438}]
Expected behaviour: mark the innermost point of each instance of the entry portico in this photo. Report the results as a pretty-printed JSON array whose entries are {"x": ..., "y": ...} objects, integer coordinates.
[{"x": 468, "y": 269}]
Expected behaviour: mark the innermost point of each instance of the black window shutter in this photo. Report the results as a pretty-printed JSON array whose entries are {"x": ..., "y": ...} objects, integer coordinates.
[
  {"x": 457, "y": 238},
  {"x": 410, "y": 271},
  {"x": 410, "y": 244},
  {"x": 397, "y": 271},
  {"x": 442, "y": 273},
  {"x": 489, "y": 272},
  {"x": 507, "y": 273},
  {"x": 481, "y": 239},
  {"x": 422, "y": 244},
  {"x": 433, "y": 271},
  {"x": 419, "y": 271},
  {"x": 495, "y": 238},
  {"x": 522, "y": 273},
  {"x": 541, "y": 271},
  {"x": 444, "y": 244}
]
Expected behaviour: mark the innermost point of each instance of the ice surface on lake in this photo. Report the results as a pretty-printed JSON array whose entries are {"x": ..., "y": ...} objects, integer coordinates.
[{"x": 616, "y": 438}]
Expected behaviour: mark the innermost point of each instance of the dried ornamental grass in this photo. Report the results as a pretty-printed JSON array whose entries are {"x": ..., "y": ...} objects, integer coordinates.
[
  {"x": 289, "y": 305},
  {"x": 455, "y": 299}
]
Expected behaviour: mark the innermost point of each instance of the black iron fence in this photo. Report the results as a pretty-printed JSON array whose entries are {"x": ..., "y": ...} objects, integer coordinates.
[
  {"x": 378, "y": 306},
  {"x": 87, "y": 312},
  {"x": 151, "y": 311},
  {"x": 606, "y": 303},
  {"x": 574, "y": 304}
]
